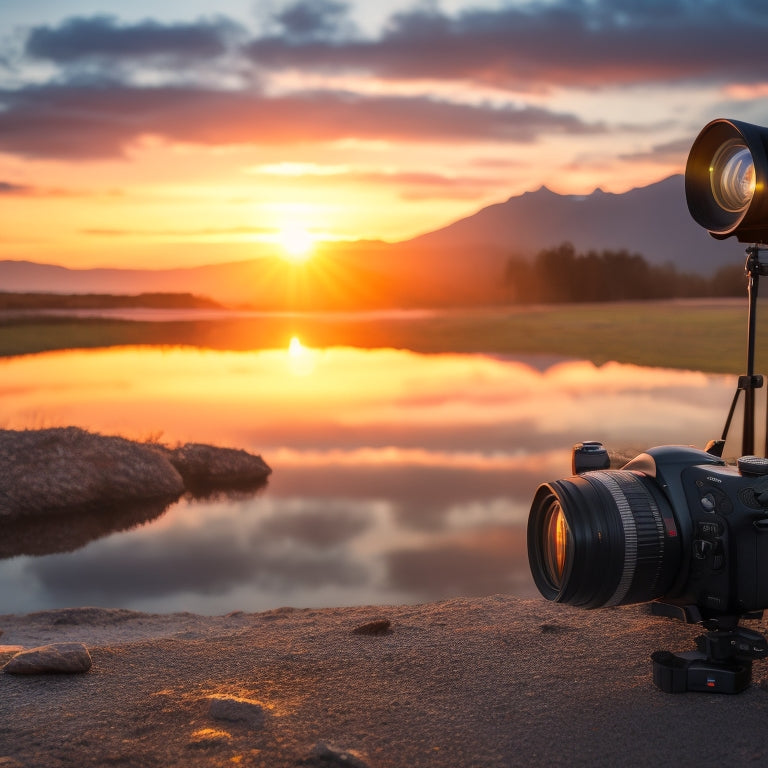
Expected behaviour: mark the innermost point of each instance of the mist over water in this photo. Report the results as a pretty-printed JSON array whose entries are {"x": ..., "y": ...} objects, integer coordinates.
[{"x": 397, "y": 477}]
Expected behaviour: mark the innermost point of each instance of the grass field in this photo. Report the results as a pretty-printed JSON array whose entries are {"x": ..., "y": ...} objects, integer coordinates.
[{"x": 697, "y": 335}]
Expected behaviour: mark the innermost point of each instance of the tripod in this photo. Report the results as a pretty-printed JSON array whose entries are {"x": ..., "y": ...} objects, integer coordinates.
[{"x": 750, "y": 381}]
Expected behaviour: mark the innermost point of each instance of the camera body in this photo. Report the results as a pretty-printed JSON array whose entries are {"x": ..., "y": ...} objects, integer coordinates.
[
  {"x": 722, "y": 515},
  {"x": 675, "y": 523}
]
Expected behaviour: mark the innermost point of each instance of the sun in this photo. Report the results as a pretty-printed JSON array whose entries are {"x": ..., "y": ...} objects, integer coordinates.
[{"x": 297, "y": 243}]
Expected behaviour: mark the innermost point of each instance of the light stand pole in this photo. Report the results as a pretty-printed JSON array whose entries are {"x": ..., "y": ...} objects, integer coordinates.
[{"x": 750, "y": 381}]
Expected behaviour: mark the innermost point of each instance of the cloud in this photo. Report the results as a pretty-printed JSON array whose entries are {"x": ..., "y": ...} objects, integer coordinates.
[
  {"x": 191, "y": 232},
  {"x": 532, "y": 46},
  {"x": 102, "y": 119},
  {"x": 673, "y": 150},
  {"x": 103, "y": 37},
  {"x": 316, "y": 19},
  {"x": 9, "y": 188}
]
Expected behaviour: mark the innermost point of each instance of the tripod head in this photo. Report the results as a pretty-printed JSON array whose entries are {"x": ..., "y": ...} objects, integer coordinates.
[{"x": 721, "y": 663}]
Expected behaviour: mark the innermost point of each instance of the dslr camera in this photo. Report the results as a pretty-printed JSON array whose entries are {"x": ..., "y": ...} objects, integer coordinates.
[{"x": 676, "y": 525}]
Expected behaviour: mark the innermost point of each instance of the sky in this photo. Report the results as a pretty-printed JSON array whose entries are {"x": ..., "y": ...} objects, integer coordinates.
[{"x": 146, "y": 134}]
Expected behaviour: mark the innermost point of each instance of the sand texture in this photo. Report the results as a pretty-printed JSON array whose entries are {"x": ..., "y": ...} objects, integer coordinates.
[{"x": 469, "y": 682}]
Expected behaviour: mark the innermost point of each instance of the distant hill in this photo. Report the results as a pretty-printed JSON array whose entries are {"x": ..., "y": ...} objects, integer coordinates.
[
  {"x": 652, "y": 221},
  {"x": 460, "y": 264},
  {"x": 33, "y": 301}
]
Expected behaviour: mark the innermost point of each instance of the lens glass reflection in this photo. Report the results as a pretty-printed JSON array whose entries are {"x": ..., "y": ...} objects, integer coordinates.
[
  {"x": 555, "y": 548},
  {"x": 732, "y": 176}
]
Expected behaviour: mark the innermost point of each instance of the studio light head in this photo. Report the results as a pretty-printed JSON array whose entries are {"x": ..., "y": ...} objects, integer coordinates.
[{"x": 726, "y": 180}]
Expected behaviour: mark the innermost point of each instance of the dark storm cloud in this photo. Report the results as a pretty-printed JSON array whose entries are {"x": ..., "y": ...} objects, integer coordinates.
[
  {"x": 105, "y": 38},
  {"x": 99, "y": 120},
  {"x": 535, "y": 45}
]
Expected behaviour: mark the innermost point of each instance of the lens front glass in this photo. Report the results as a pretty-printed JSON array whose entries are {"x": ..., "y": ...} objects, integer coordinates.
[
  {"x": 732, "y": 176},
  {"x": 555, "y": 549}
]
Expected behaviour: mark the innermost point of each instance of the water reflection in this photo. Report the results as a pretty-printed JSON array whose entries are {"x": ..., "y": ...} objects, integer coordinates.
[
  {"x": 62, "y": 532},
  {"x": 397, "y": 477}
]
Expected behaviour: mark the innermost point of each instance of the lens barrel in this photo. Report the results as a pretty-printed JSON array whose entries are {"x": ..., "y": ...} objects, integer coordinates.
[{"x": 601, "y": 539}]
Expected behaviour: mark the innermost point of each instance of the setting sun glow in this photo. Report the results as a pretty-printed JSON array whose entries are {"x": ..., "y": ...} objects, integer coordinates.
[{"x": 297, "y": 243}]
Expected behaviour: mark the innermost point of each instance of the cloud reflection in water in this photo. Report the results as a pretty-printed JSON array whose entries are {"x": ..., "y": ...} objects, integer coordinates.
[{"x": 397, "y": 477}]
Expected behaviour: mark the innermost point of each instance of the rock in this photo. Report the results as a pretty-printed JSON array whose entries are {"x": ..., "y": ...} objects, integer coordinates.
[
  {"x": 325, "y": 755},
  {"x": 207, "y": 466},
  {"x": 236, "y": 709},
  {"x": 49, "y": 470},
  {"x": 209, "y": 737},
  {"x": 54, "y": 658},
  {"x": 378, "y": 627},
  {"x": 46, "y": 472}
]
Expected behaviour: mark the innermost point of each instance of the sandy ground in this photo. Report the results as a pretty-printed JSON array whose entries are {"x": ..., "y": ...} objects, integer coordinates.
[{"x": 472, "y": 682}]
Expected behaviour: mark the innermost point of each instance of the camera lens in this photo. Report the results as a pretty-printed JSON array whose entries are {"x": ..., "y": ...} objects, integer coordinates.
[
  {"x": 600, "y": 539},
  {"x": 732, "y": 176},
  {"x": 555, "y": 543}
]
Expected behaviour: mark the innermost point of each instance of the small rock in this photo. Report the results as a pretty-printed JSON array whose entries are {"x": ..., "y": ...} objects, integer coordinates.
[
  {"x": 209, "y": 737},
  {"x": 207, "y": 466},
  {"x": 553, "y": 629},
  {"x": 325, "y": 755},
  {"x": 378, "y": 627},
  {"x": 237, "y": 709},
  {"x": 54, "y": 658}
]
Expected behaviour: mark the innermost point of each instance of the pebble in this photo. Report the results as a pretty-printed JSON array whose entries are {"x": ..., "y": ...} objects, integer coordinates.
[
  {"x": 324, "y": 755},
  {"x": 209, "y": 737},
  {"x": 237, "y": 709},
  {"x": 54, "y": 658},
  {"x": 378, "y": 627}
]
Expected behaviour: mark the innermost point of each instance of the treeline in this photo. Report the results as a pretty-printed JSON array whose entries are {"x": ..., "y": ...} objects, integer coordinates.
[{"x": 562, "y": 275}]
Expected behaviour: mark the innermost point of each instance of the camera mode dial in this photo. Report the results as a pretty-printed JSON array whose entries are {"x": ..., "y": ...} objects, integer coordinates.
[{"x": 754, "y": 466}]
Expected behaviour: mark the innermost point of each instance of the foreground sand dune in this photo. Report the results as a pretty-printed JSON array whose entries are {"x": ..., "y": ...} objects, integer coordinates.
[{"x": 469, "y": 682}]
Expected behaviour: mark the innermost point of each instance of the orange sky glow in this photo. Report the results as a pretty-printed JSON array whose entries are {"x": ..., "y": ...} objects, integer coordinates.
[{"x": 195, "y": 133}]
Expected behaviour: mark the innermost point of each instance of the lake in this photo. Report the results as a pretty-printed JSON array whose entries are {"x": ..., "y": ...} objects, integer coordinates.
[{"x": 397, "y": 477}]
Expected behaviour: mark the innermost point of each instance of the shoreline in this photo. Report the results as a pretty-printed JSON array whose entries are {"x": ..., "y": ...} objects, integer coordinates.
[{"x": 493, "y": 681}]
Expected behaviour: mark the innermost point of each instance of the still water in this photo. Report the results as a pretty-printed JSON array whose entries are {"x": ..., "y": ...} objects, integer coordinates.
[{"x": 397, "y": 477}]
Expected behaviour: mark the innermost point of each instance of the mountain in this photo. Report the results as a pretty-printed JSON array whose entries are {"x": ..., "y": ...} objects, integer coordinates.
[
  {"x": 652, "y": 221},
  {"x": 460, "y": 264}
]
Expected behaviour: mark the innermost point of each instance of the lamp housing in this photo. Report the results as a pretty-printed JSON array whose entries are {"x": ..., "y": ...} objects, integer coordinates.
[{"x": 726, "y": 180}]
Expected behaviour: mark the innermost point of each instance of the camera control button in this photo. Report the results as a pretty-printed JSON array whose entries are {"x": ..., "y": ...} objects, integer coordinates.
[
  {"x": 753, "y": 465},
  {"x": 708, "y": 502},
  {"x": 702, "y": 548}
]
